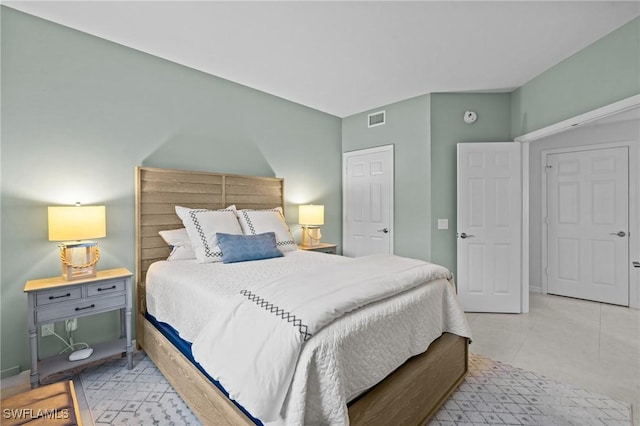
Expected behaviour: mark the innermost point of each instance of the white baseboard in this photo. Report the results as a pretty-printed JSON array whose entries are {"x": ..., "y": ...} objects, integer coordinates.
[
  {"x": 535, "y": 288},
  {"x": 18, "y": 379},
  {"x": 8, "y": 372}
]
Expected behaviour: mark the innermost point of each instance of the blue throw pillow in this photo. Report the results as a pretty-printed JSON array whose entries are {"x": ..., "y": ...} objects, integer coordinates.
[{"x": 240, "y": 248}]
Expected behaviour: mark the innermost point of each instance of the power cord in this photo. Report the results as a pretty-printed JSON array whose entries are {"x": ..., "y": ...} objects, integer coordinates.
[{"x": 69, "y": 345}]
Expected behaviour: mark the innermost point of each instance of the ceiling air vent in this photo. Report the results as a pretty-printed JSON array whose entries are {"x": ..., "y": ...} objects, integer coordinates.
[{"x": 376, "y": 119}]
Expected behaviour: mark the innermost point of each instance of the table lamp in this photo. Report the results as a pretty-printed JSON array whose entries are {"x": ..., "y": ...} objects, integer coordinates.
[
  {"x": 76, "y": 226},
  {"x": 311, "y": 217}
]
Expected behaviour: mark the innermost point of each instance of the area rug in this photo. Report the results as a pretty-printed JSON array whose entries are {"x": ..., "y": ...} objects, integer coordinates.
[
  {"x": 497, "y": 393},
  {"x": 493, "y": 393}
]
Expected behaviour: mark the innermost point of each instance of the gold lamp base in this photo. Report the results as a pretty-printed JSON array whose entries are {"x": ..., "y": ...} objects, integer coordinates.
[
  {"x": 311, "y": 236},
  {"x": 79, "y": 259}
]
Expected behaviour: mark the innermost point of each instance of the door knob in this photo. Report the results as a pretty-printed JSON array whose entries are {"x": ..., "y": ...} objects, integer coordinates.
[
  {"x": 619, "y": 234},
  {"x": 384, "y": 230},
  {"x": 464, "y": 235}
]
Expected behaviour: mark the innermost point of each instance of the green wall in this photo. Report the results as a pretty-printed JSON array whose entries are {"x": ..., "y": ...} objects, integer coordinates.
[
  {"x": 407, "y": 128},
  {"x": 447, "y": 130},
  {"x": 602, "y": 73},
  {"x": 425, "y": 191},
  {"x": 79, "y": 113},
  {"x": 425, "y": 131}
]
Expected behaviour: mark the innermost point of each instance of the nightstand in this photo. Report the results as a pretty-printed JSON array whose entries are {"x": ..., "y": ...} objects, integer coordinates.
[
  {"x": 322, "y": 248},
  {"x": 56, "y": 299}
]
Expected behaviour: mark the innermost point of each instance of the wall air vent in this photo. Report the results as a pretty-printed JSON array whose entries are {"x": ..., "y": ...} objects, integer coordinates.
[{"x": 376, "y": 119}]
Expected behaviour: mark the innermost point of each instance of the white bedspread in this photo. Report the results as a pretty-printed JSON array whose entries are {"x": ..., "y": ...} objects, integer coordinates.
[
  {"x": 184, "y": 293},
  {"x": 342, "y": 359},
  {"x": 266, "y": 324}
]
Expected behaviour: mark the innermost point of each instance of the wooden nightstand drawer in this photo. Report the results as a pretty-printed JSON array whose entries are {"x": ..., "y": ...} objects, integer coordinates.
[
  {"x": 100, "y": 289},
  {"x": 80, "y": 308},
  {"x": 57, "y": 296}
]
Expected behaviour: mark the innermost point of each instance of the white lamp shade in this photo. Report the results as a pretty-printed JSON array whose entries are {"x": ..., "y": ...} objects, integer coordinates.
[
  {"x": 311, "y": 214},
  {"x": 74, "y": 223}
]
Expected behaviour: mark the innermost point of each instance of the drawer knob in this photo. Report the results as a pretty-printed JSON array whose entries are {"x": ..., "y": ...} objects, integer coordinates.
[
  {"x": 107, "y": 288},
  {"x": 59, "y": 297},
  {"x": 86, "y": 307}
]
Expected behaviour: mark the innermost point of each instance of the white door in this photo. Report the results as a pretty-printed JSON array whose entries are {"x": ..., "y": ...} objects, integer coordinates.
[
  {"x": 588, "y": 224},
  {"x": 489, "y": 227},
  {"x": 368, "y": 201}
]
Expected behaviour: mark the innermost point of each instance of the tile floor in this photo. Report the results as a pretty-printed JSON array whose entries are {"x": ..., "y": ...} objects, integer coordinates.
[
  {"x": 588, "y": 344},
  {"x": 592, "y": 345}
]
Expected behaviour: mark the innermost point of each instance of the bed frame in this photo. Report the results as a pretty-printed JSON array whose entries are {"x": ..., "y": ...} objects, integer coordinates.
[{"x": 411, "y": 395}]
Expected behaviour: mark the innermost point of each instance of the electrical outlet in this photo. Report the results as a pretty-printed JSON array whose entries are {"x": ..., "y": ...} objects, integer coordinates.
[
  {"x": 71, "y": 324},
  {"x": 46, "y": 329}
]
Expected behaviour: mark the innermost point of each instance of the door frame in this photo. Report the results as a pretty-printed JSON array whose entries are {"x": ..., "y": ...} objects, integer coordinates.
[
  {"x": 614, "y": 108},
  {"x": 345, "y": 155},
  {"x": 634, "y": 210},
  {"x": 634, "y": 175}
]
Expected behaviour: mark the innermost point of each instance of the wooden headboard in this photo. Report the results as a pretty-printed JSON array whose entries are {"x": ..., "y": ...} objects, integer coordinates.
[{"x": 158, "y": 191}]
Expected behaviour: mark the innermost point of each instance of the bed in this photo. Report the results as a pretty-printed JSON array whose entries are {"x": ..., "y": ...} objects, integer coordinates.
[{"x": 410, "y": 394}]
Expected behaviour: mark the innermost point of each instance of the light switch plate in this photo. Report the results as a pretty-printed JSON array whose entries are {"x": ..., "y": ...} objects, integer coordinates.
[{"x": 443, "y": 223}]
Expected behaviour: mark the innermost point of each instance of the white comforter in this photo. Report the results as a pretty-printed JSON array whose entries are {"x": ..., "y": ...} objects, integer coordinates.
[
  {"x": 344, "y": 358},
  {"x": 265, "y": 325}
]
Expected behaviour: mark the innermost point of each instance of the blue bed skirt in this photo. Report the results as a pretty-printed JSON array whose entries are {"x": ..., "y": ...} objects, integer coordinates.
[{"x": 185, "y": 348}]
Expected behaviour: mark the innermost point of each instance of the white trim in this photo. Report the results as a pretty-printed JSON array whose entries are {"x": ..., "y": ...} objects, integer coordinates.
[
  {"x": 524, "y": 306},
  {"x": 634, "y": 208},
  {"x": 365, "y": 151},
  {"x": 579, "y": 120},
  {"x": 544, "y": 244},
  {"x": 535, "y": 289},
  {"x": 384, "y": 148},
  {"x": 634, "y": 223}
]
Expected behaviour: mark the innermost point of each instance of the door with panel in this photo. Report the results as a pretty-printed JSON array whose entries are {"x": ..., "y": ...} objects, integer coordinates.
[
  {"x": 489, "y": 227},
  {"x": 368, "y": 201},
  {"x": 588, "y": 224}
]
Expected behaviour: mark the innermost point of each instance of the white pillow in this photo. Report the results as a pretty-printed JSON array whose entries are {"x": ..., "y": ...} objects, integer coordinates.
[
  {"x": 178, "y": 240},
  {"x": 202, "y": 226},
  {"x": 254, "y": 222}
]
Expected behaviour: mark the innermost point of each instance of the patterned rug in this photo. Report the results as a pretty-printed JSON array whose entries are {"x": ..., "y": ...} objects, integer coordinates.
[
  {"x": 493, "y": 393},
  {"x": 497, "y": 393}
]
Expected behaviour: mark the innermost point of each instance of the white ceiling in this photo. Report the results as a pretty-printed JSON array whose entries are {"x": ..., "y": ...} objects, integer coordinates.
[{"x": 348, "y": 57}]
